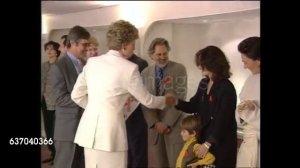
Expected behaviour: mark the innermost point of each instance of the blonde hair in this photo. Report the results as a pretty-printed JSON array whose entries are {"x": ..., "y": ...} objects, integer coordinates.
[
  {"x": 120, "y": 32},
  {"x": 93, "y": 41}
]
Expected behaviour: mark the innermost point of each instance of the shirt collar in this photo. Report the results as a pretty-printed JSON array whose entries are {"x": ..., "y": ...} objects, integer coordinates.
[
  {"x": 76, "y": 62},
  {"x": 72, "y": 57},
  {"x": 157, "y": 69},
  {"x": 114, "y": 53}
]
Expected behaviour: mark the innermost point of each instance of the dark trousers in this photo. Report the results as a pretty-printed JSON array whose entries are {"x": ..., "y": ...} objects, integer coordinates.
[
  {"x": 137, "y": 138},
  {"x": 78, "y": 160},
  {"x": 49, "y": 119},
  {"x": 68, "y": 155}
]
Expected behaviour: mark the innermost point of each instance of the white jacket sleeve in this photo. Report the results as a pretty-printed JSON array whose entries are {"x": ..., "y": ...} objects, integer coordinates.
[
  {"x": 79, "y": 93},
  {"x": 139, "y": 91}
]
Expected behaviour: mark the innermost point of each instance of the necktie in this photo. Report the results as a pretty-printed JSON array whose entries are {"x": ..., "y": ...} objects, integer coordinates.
[
  {"x": 159, "y": 86},
  {"x": 80, "y": 66}
]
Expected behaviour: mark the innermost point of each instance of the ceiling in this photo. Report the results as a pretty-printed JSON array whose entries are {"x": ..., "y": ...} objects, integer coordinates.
[
  {"x": 64, "y": 7},
  {"x": 225, "y": 17}
]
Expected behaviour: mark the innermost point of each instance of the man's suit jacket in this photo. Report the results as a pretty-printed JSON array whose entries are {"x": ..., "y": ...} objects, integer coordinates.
[
  {"x": 175, "y": 80},
  {"x": 102, "y": 90},
  {"x": 62, "y": 78},
  {"x": 164, "y": 148}
]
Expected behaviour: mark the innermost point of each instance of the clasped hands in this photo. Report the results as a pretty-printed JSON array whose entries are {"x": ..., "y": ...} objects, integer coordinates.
[
  {"x": 170, "y": 99},
  {"x": 247, "y": 105},
  {"x": 162, "y": 128},
  {"x": 200, "y": 151}
]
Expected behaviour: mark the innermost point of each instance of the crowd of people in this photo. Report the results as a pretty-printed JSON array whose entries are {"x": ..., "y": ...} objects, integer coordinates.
[{"x": 113, "y": 110}]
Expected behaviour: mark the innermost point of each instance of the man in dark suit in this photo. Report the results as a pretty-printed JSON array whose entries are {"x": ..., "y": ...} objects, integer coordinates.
[
  {"x": 63, "y": 76},
  {"x": 136, "y": 128},
  {"x": 63, "y": 44}
]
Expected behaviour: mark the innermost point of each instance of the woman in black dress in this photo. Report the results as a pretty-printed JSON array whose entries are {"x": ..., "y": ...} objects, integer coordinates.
[{"x": 215, "y": 103}]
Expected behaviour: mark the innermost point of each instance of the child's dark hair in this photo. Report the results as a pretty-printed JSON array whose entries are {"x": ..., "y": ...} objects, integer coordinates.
[{"x": 191, "y": 123}]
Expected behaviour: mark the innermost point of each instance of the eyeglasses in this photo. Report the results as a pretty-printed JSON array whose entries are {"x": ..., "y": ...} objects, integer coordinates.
[{"x": 84, "y": 44}]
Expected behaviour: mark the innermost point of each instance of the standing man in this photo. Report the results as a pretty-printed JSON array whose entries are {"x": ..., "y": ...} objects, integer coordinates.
[
  {"x": 164, "y": 141},
  {"x": 136, "y": 128},
  {"x": 63, "y": 77},
  {"x": 63, "y": 44}
]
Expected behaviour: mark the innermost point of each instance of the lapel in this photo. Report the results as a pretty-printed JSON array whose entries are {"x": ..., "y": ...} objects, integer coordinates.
[
  {"x": 151, "y": 77},
  {"x": 71, "y": 68}
]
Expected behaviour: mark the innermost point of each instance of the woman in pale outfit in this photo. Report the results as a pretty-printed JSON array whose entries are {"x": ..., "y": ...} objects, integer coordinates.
[
  {"x": 249, "y": 108},
  {"x": 92, "y": 49},
  {"x": 102, "y": 90}
]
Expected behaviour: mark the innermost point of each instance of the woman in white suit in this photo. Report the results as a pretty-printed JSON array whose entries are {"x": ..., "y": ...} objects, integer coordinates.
[{"x": 102, "y": 90}]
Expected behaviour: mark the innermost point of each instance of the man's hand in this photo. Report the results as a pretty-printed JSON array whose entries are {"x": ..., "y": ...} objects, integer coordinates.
[
  {"x": 162, "y": 128},
  {"x": 170, "y": 99}
]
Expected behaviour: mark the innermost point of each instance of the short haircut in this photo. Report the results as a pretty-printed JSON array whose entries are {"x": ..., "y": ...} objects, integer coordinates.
[
  {"x": 76, "y": 33},
  {"x": 250, "y": 47},
  {"x": 158, "y": 41},
  {"x": 64, "y": 38},
  {"x": 213, "y": 59},
  {"x": 55, "y": 46},
  {"x": 191, "y": 123},
  {"x": 120, "y": 32}
]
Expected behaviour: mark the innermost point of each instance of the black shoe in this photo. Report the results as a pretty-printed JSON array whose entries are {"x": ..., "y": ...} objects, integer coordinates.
[{"x": 48, "y": 160}]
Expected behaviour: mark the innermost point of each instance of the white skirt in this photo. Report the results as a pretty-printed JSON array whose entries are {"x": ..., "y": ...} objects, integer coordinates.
[
  {"x": 248, "y": 154},
  {"x": 102, "y": 159}
]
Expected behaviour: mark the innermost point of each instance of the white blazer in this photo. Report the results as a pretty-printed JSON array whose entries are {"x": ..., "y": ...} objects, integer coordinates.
[{"x": 102, "y": 90}]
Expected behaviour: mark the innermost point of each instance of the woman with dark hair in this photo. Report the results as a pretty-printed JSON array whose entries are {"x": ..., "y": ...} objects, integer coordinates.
[
  {"x": 215, "y": 102},
  {"x": 248, "y": 110},
  {"x": 51, "y": 49}
]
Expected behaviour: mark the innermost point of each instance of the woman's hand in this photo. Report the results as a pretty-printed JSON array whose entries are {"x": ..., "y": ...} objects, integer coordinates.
[
  {"x": 202, "y": 150},
  {"x": 247, "y": 105},
  {"x": 193, "y": 165}
]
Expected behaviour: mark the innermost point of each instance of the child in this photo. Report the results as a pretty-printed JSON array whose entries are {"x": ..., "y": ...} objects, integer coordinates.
[{"x": 187, "y": 158}]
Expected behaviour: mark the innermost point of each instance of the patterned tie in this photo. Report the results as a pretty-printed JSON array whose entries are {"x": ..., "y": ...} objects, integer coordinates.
[{"x": 159, "y": 85}]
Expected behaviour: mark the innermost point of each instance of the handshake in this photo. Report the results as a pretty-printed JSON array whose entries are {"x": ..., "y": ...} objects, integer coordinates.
[{"x": 170, "y": 100}]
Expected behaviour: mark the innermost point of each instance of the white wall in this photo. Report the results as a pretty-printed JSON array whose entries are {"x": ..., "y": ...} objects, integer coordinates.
[
  {"x": 185, "y": 39},
  {"x": 146, "y": 12},
  {"x": 43, "y": 41},
  {"x": 99, "y": 32}
]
